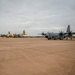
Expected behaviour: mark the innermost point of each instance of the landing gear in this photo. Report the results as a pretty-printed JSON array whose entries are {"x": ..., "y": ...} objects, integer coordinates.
[
  {"x": 61, "y": 38},
  {"x": 67, "y": 38},
  {"x": 49, "y": 38},
  {"x": 55, "y": 38},
  {"x": 71, "y": 38}
]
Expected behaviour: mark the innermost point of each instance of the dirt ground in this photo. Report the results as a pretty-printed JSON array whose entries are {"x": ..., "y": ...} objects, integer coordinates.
[{"x": 37, "y": 56}]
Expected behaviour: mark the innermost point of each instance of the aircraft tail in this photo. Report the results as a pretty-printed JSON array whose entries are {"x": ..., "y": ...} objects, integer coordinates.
[{"x": 68, "y": 29}]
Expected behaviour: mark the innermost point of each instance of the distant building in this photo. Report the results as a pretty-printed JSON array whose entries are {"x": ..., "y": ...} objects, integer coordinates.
[{"x": 24, "y": 32}]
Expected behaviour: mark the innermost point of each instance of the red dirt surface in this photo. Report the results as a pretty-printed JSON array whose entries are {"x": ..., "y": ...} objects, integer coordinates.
[{"x": 37, "y": 56}]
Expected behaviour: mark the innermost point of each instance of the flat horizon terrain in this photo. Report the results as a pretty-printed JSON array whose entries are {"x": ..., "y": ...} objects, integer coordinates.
[{"x": 37, "y": 56}]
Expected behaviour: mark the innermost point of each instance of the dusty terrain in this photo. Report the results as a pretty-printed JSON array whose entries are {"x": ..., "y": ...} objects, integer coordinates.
[{"x": 37, "y": 56}]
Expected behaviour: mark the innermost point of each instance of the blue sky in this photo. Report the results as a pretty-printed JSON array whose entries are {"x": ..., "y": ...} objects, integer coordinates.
[{"x": 36, "y": 16}]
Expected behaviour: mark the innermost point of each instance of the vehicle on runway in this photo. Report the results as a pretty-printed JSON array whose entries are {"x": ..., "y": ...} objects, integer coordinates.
[{"x": 61, "y": 35}]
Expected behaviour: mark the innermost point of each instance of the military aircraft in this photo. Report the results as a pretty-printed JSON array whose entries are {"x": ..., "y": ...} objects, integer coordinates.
[{"x": 61, "y": 35}]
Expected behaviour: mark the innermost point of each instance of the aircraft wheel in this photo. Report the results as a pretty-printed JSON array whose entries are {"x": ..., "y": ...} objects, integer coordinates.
[
  {"x": 67, "y": 38},
  {"x": 61, "y": 38},
  {"x": 48, "y": 38},
  {"x": 55, "y": 38},
  {"x": 71, "y": 38}
]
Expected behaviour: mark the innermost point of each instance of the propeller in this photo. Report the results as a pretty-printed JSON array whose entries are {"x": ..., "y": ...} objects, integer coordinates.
[
  {"x": 61, "y": 33},
  {"x": 70, "y": 33}
]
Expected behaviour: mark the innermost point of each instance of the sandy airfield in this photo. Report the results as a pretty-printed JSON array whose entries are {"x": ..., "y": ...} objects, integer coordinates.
[{"x": 37, "y": 56}]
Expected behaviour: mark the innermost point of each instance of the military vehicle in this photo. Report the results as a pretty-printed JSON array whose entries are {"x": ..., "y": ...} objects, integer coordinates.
[{"x": 61, "y": 35}]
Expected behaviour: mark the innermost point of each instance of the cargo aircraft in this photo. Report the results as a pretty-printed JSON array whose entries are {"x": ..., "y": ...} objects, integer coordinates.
[{"x": 61, "y": 35}]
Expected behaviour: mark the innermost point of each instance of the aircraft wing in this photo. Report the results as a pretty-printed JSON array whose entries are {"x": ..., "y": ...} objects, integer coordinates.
[
  {"x": 73, "y": 33},
  {"x": 67, "y": 33}
]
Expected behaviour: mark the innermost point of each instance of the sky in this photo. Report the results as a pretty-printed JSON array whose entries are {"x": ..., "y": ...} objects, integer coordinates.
[{"x": 36, "y": 16}]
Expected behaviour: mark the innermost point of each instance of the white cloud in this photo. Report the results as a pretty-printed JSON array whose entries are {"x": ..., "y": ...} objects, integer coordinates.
[{"x": 36, "y": 15}]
